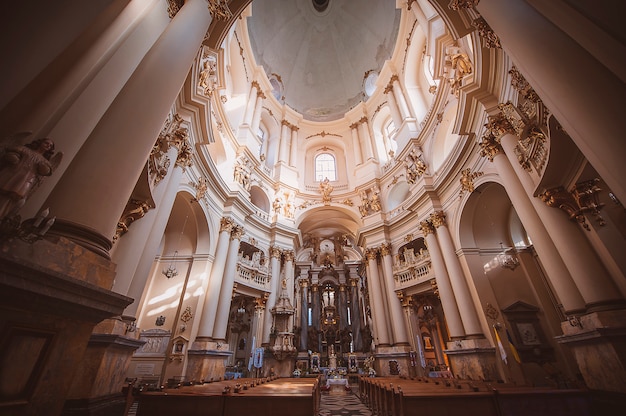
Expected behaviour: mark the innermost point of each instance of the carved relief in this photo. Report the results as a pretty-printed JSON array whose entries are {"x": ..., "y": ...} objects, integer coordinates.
[
  {"x": 467, "y": 180},
  {"x": 462, "y": 4},
  {"x": 414, "y": 165},
  {"x": 531, "y": 150},
  {"x": 457, "y": 65},
  {"x": 201, "y": 189},
  {"x": 134, "y": 210},
  {"x": 219, "y": 9}
]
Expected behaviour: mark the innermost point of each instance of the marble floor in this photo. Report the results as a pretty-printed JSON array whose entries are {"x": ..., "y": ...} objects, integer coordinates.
[{"x": 345, "y": 403}]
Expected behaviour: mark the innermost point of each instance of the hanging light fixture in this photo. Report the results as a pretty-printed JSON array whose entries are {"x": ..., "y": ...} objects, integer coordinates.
[{"x": 171, "y": 270}]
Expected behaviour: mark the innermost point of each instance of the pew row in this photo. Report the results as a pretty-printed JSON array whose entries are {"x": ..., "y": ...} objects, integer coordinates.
[
  {"x": 280, "y": 397},
  {"x": 401, "y": 397}
]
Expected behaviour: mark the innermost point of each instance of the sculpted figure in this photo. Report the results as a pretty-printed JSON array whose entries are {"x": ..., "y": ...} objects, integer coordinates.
[{"x": 22, "y": 168}]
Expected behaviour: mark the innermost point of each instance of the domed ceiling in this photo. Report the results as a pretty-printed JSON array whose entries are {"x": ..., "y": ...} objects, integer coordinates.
[{"x": 322, "y": 50}]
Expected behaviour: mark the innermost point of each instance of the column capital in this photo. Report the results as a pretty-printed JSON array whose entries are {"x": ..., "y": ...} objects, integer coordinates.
[
  {"x": 490, "y": 146},
  {"x": 371, "y": 253},
  {"x": 438, "y": 218},
  {"x": 315, "y": 287},
  {"x": 303, "y": 283},
  {"x": 275, "y": 252},
  {"x": 259, "y": 303},
  {"x": 226, "y": 225},
  {"x": 385, "y": 249},
  {"x": 427, "y": 227},
  {"x": 289, "y": 255},
  {"x": 237, "y": 232}
]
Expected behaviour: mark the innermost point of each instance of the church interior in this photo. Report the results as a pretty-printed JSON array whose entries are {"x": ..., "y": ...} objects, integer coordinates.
[{"x": 331, "y": 192}]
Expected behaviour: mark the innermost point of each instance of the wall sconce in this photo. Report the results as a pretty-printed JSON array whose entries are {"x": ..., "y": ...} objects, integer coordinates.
[
  {"x": 507, "y": 258},
  {"x": 574, "y": 321}
]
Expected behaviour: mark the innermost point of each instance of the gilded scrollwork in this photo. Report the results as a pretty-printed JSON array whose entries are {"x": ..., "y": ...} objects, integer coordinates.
[
  {"x": 467, "y": 180},
  {"x": 438, "y": 218},
  {"x": 490, "y": 39},
  {"x": 134, "y": 210},
  {"x": 414, "y": 165}
]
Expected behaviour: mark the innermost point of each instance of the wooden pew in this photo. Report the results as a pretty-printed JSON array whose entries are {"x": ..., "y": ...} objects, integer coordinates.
[{"x": 229, "y": 398}]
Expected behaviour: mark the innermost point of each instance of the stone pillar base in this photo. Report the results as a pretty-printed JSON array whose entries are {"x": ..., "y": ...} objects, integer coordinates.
[
  {"x": 472, "y": 359},
  {"x": 98, "y": 382},
  {"x": 52, "y": 295},
  {"x": 598, "y": 342},
  {"x": 392, "y": 361},
  {"x": 206, "y": 360}
]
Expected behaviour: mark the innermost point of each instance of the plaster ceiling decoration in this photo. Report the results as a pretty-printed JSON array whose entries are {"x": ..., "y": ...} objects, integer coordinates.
[{"x": 323, "y": 49}]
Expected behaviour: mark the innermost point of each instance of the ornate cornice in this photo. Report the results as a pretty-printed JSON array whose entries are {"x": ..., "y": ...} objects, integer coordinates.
[
  {"x": 462, "y": 4},
  {"x": 219, "y": 9},
  {"x": 582, "y": 199}
]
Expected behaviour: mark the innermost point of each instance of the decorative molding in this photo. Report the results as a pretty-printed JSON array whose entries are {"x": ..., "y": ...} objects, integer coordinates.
[
  {"x": 134, "y": 210},
  {"x": 582, "y": 199},
  {"x": 467, "y": 180},
  {"x": 490, "y": 39},
  {"x": 173, "y": 7},
  {"x": 462, "y": 4},
  {"x": 219, "y": 9}
]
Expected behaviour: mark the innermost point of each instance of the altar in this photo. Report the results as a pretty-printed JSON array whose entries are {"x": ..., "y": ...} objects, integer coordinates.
[{"x": 343, "y": 382}]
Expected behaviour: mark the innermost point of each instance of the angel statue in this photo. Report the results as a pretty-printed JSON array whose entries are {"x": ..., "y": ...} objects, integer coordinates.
[{"x": 22, "y": 169}]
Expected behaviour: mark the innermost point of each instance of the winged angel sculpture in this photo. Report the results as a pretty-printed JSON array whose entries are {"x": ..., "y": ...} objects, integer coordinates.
[{"x": 22, "y": 169}]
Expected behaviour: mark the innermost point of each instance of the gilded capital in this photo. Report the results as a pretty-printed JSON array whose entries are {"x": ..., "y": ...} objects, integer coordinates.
[
  {"x": 289, "y": 255},
  {"x": 438, "y": 218},
  {"x": 427, "y": 227},
  {"x": 371, "y": 253},
  {"x": 275, "y": 252},
  {"x": 385, "y": 249},
  {"x": 226, "y": 224},
  {"x": 237, "y": 232},
  {"x": 303, "y": 283},
  {"x": 259, "y": 303},
  {"x": 490, "y": 147}
]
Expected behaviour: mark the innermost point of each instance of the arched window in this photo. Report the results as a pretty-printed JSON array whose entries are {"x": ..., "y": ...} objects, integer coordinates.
[{"x": 325, "y": 167}]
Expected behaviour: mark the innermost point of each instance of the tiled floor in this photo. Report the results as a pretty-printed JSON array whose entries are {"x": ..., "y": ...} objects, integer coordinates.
[{"x": 343, "y": 403}]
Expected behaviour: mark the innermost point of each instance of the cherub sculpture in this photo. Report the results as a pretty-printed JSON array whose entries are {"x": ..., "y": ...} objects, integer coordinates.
[{"x": 22, "y": 169}]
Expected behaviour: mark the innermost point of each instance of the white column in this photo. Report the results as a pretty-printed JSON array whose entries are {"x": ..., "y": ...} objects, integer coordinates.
[
  {"x": 393, "y": 106},
  {"x": 129, "y": 249},
  {"x": 207, "y": 320},
  {"x": 289, "y": 276},
  {"x": 275, "y": 254},
  {"x": 397, "y": 328},
  {"x": 553, "y": 62},
  {"x": 366, "y": 139},
  {"x": 462, "y": 294},
  {"x": 376, "y": 299},
  {"x": 556, "y": 269},
  {"x": 256, "y": 118},
  {"x": 157, "y": 228},
  {"x": 251, "y": 104},
  {"x": 226, "y": 291},
  {"x": 293, "y": 148},
  {"x": 284, "y": 137},
  {"x": 356, "y": 144},
  {"x": 400, "y": 99},
  {"x": 448, "y": 301},
  {"x": 119, "y": 143},
  {"x": 585, "y": 268}
]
